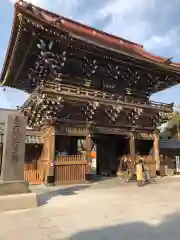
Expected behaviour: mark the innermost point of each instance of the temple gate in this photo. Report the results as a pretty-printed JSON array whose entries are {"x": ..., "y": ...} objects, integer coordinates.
[{"x": 86, "y": 84}]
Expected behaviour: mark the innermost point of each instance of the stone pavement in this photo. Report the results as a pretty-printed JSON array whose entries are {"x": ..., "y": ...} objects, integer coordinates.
[{"x": 94, "y": 212}]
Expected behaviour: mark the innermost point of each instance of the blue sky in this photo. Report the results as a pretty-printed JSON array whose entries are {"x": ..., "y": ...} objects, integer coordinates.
[{"x": 153, "y": 23}]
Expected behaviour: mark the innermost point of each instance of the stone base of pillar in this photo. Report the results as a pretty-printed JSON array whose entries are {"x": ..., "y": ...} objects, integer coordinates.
[
  {"x": 162, "y": 171},
  {"x": 88, "y": 176},
  {"x": 166, "y": 170},
  {"x": 170, "y": 172},
  {"x": 14, "y": 187},
  {"x": 50, "y": 181},
  {"x": 157, "y": 165}
]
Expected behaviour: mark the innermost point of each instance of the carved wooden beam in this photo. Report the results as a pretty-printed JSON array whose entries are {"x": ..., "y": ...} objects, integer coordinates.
[
  {"x": 42, "y": 109},
  {"x": 160, "y": 118},
  {"x": 134, "y": 115},
  {"x": 113, "y": 113},
  {"x": 90, "y": 109}
]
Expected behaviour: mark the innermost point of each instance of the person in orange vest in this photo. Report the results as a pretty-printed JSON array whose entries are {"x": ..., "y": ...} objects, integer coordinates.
[{"x": 139, "y": 173}]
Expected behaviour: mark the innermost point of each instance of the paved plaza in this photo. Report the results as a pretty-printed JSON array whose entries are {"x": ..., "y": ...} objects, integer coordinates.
[{"x": 104, "y": 210}]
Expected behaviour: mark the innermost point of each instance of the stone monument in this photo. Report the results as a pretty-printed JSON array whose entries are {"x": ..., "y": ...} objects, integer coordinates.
[{"x": 12, "y": 170}]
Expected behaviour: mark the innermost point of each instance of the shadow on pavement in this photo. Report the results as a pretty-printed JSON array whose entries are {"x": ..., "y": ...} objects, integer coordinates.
[
  {"x": 43, "y": 198},
  {"x": 99, "y": 178},
  {"x": 168, "y": 229}
]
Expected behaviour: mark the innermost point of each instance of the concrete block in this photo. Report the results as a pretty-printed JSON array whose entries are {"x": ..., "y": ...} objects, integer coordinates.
[
  {"x": 14, "y": 187},
  {"x": 18, "y": 202}
]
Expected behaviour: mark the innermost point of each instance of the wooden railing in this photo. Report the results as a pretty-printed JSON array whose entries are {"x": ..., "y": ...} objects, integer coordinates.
[
  {"x": 69, "y": 90},
  {"x": 34, "y": 176},
  {"x": 70, "y": 169}
]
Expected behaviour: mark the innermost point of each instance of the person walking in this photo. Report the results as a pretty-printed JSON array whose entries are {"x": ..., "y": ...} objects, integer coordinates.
[
  {"x": 129, "y": 170},
  {"x": 123, "y": 167},
  {"x": 139, "y": 173}
]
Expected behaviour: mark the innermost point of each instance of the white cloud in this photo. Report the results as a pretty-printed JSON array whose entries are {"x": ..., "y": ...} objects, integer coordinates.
[
  {"x": 58, "y": 6},
  {"x": 129, "y": 21},
  {"x": 5, "y": 50},
  {"x": 123, "y": 8},
  {"x": 156, "y": 42}
]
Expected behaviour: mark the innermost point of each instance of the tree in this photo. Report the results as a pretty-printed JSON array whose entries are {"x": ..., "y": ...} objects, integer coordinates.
[{"x": 172, "y": 128}]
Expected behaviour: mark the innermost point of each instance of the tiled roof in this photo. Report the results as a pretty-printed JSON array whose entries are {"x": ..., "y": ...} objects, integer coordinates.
[
  {"x": 70, "y": 25},
  {"x": 55, "y": 23}
]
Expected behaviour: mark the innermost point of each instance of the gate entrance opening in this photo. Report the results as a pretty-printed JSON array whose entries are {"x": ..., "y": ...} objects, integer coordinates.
[{"x": 110, "y": 148}]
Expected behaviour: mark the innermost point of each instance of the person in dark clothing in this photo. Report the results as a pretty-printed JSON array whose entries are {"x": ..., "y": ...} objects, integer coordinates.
[
  {"x": 123, "y": 166},
  {"x": 126, "y": 169},
  {"x": 129, "y": 174},
  {"x": 141, "y": 161}
]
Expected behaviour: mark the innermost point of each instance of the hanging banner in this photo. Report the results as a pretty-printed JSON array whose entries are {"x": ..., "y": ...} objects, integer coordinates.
[{"x": 177, "y": 164}]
